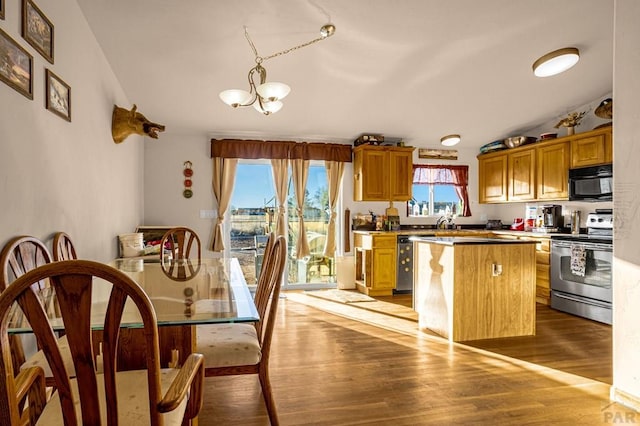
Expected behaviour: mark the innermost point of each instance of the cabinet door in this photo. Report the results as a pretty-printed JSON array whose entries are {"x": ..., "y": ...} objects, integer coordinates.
[
  {"x": 384, "y": 268},
  {"x": 492, "y": 179},
  {"x": 522, "y": 175},
  {"x": 400, "y": 175},
  {"x": 371, "y": 175},
  {"x": 553, "y": 171},
  {"x": 592, "y": 150}
]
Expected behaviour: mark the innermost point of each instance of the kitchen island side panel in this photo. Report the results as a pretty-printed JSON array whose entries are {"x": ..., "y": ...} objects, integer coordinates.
[{"x": 433, "y": 287}]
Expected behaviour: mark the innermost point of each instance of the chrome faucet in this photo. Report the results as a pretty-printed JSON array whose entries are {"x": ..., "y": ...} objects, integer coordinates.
[{"x": 440, "y": 221}]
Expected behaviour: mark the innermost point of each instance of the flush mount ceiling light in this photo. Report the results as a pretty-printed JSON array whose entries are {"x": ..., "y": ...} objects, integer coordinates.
[
  {"x": 450, "y": 140},
  {"x": 556, "y": 62},
  {"x": 266, "y": 96}
]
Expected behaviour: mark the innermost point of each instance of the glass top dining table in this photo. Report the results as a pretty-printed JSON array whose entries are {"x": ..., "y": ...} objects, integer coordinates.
[{"x": 185, "y": 293}]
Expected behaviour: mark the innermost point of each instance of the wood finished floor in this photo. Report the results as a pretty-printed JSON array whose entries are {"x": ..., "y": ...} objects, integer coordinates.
[
  {"x": 562, "y": 341},
  {"x": 328, "y": 369}
]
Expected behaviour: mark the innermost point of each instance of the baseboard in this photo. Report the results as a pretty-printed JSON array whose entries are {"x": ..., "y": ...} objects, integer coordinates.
[{"x": 626, "y": 399}]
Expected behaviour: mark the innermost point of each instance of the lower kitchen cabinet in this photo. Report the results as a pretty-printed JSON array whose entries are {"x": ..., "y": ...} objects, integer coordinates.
[{"x": 375, "y": 257}]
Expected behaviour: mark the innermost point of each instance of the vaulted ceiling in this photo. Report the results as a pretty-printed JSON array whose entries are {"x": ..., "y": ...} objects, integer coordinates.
[{"x": 415, "y": 69}]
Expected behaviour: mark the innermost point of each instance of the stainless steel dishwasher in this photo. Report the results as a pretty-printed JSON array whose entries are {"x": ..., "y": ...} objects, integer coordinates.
[{"x": 404, "y": 266}]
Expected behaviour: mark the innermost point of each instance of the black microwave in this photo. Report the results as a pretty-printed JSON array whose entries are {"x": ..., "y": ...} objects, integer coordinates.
[{"x": 593, "y": 183}]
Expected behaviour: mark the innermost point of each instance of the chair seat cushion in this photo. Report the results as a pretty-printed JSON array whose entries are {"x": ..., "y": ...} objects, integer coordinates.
[
  {"x": 133, "y": 400},
  {"x": 227, "y": 345},
  {"x": 39, "y": 360}
]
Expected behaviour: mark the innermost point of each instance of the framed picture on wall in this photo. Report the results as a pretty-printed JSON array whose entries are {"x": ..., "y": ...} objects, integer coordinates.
[
  {"x": 37, "y": 29},
  {"x": 16, "y": 65},
  {"x": 58, "y": 96}
]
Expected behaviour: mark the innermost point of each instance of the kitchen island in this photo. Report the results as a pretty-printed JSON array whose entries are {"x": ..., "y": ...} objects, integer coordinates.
[{"x": 470, "y": 288}]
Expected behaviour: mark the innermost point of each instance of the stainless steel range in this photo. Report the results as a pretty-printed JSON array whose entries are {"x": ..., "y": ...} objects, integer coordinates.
[{"x": 581, "y": 269}]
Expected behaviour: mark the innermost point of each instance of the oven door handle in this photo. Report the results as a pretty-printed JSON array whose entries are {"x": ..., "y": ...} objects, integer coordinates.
[{"x": 587, "y": 246}]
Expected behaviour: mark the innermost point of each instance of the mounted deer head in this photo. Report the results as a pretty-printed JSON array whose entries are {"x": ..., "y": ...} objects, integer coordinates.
[{"x": 125, "y": 123}]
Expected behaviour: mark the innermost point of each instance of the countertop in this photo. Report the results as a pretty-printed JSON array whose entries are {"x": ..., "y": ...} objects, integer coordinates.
[
  {"x": 451, "y": 241},
  {"x": 463, "y": 232}
]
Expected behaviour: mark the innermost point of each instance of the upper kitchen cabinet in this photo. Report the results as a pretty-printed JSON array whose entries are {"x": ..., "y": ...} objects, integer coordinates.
[
  {"x": 553, "y": 171},
  {"x": 382, "y": 173},
  {"x": 522, "y": 175},
  {"x": 492, "y": 178},
  {"x": 507, "y": 176},
  {"x": 540, "y": 171},
  {"x": 592, "y": 148}
]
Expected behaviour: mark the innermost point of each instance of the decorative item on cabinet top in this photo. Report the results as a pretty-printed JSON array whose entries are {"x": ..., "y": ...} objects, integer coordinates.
[
  {"x": 492, "y": 146},
  {"x": 605, "y": 110},
  {"x": 571, "y": 121},
  {"x": 377, "y": 139},
  {"x": 368, "y": 139}
]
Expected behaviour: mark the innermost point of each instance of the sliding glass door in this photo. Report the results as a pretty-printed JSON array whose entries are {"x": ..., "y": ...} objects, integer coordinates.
[{"x": 252, "y": 215}]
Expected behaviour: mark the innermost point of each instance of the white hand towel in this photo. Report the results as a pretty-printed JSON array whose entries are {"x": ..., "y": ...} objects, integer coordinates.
[{"x": 578, "y": 260}]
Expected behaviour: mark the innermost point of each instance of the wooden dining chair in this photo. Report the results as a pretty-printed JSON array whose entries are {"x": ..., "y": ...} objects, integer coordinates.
[
  {"x": 19, "y": 256},
  {"x": 151, "y": 396},
  {"x": 241, "y": 348},
  {"x": 185, "y": 254},
  {"x": 266, "y": 253},
  {"x": 63, "y": 248}
]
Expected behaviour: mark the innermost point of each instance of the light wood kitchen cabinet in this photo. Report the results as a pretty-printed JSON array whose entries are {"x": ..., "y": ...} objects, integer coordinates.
[
  {"x": 382, "y": 173},
  {"x": 522, "y": 175},
  {"x": 375, "y": 257},
  {"x": 540, "y": 171},
  {"x": 507, "y": 176},
  {"x": 592, "y": 148},
  {"x": 553, "y": 171},
  {"x": 492, "y": 178}
]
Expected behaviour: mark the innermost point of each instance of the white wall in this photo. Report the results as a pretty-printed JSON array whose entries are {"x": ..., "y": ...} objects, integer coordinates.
[
  {"x": 57, "y": 175},
  {"x": 164, "y": 203},
  {"x": 626, "y": 279}
]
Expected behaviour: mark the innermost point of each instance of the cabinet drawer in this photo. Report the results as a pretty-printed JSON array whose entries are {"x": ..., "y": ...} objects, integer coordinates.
[
  {"x": 542, "y": 258},
  {"x": 366, "y": 242},
  {"x": 545, "y": 245},
  {"x": 384, "y": 241},
  {"x": 542, "y": 276}
]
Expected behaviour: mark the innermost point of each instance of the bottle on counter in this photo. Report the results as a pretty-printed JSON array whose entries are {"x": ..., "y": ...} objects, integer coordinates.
[
  {"x": 425, "y": 209},
  {"x": 416, "y": 209}
]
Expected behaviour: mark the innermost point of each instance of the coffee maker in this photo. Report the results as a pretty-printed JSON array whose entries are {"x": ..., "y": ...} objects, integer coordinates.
[{"x": 552, "y": 218}]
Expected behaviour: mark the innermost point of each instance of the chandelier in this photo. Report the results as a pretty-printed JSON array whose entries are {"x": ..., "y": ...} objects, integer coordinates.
[{"x": 266, "y": 96}]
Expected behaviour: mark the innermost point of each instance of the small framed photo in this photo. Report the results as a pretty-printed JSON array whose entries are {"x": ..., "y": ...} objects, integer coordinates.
[
  {"x": 58, "y": 97},
  {"x": 37, "y": 29},
  {"x": 16, "y": 65}
]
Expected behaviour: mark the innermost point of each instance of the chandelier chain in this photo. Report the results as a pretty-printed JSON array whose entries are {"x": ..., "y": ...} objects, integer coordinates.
[{"x": 260, "y": 59}]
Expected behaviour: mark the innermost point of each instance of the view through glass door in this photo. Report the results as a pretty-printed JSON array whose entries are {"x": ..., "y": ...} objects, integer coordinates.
[{"x": 253, "y": 213}]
